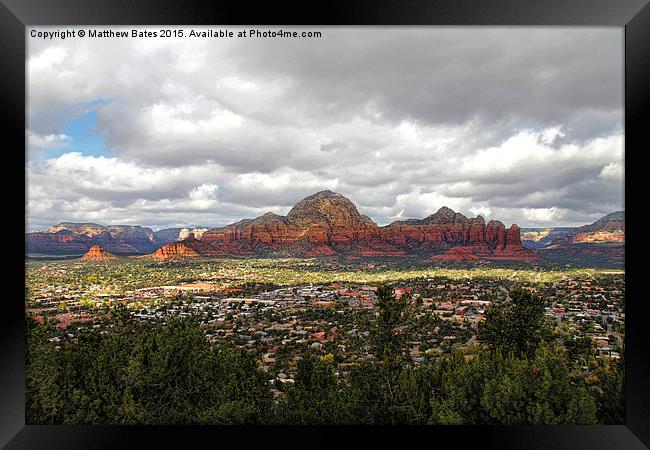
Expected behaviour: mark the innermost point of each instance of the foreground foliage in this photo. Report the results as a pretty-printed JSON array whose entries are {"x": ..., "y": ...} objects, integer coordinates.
[{"x": 144, "y": 374}]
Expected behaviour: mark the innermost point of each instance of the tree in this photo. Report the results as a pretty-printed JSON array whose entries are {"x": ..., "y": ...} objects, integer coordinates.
[
  {"x": 387, "y": 390},
  {"x": 43, "y": 401},
  {"x": 493, "y": 388},
  {"x": 515, "y": 324},
  {"x": 141, "y": 373},
  {"x": 579, "y": 346},
  {"x": 611, "y": 392},
  {"x": 387, "y": 334},
  {"x": 315, "y": 397}
]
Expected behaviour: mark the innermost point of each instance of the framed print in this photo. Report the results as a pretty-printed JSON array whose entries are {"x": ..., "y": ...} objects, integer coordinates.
[{"x": 274, "y": 222}]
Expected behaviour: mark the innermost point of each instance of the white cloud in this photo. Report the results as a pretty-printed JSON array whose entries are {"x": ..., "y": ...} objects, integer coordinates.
[
  {"x": 178, "y": 121},
  {"x": 48, "y": 60},
  {"x": 613, "y": 171},
  {"x": 238, "y": 84},
  {"x": 50, "y": 141},
  {"x": 482, "y": 210},
  {"x": 541, "y": 214},
  {"x": 204, "y": 192},
  {"x": 204, "y": 196}
]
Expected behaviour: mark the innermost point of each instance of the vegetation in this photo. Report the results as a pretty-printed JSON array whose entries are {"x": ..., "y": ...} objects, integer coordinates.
[
  {"x": 126, "y": 274},
  {"x": 515, "y": 324},
  {"x": 142, "y": 374},
  {"x": 523, "y": 373}
]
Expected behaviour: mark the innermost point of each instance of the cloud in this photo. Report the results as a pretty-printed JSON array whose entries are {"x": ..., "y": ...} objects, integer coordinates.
[
  {"x": 540, "y": 214},
  {"x": 45, "y": 142},
  {"x": 510, "y": 123},
  {"x": 612, "y": 171},
  {"x": 204, "y": 196}
]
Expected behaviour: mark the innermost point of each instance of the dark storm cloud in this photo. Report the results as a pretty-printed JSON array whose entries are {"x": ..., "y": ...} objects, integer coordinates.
[{"x": 450, "y": 75}]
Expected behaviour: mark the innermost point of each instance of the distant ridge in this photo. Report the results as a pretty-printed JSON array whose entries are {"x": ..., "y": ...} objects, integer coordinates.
[
  {"x": 69, "y": 238},
  {"x": 601, "y": 243}
]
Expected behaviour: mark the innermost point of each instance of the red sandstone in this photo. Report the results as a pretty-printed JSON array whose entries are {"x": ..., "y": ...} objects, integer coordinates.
[{"x": 327, "y": 224}]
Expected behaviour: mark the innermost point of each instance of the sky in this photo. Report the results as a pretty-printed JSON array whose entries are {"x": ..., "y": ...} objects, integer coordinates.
[{"x": 521, "y": 125}]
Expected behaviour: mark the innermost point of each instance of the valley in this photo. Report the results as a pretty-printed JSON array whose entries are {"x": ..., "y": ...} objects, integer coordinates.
[{"x": 293, "y": 305}]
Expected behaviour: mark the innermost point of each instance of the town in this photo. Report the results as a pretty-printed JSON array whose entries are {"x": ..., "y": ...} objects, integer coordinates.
[{"x": 266, "y": 308}]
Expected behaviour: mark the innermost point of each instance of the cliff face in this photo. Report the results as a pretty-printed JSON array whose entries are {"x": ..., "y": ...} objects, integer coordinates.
[
  {"x": 74, "y": 238},
  {"x": 71, "y": 238},
  {"x": 611, "y": 222},
  {"x": 170, "y": 235},
  {"x": 174, "y": 251},
  {"x": 607, "y": 229},
  {"x": 96, "y": 253},
  {"x": 601, "y": 243},
  {"x": 327, "y": 223},
  {"x": 610, "y": 228},
  {"x": 60, "y": 242}
]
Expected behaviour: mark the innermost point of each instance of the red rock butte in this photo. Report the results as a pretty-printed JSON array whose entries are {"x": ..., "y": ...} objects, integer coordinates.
[
  {"x": 174, "y": 252},
  {"x": 96, "y": 253},
  {"x": 327, "y": 223}
]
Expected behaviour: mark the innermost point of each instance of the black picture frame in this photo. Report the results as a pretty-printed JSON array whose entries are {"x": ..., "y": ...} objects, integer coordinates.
[{"x": 16, "y": 15}]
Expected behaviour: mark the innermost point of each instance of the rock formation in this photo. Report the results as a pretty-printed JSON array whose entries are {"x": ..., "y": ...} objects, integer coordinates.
[
  {"x": 96, "y": 253},
  {"x": 68, "y": 238},
  {"x": 611, "y": 222},
  {"x": 322, "y": 224},
  {"x": 601, "y": 243},
  {"x": 610, "y": 228},
  {"x": 75, "y": 238},
  {"x": 327, "y": 223},
  {"x": 174, "y": 252}
]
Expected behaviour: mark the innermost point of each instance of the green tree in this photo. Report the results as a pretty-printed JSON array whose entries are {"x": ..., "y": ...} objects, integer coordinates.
[
  {"x": 42, "y": 394},
  {"x": 488, "y": 387},
  {"x": 515, "y": 324},
  {"x": 387, "y": 390},
  {"x": 141, "y": 373},
  {"x": 611, "y": 392},
  {"x": 315, "y": 397}
]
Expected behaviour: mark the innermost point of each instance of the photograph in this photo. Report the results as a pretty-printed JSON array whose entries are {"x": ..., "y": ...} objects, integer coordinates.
[{"x": 325, "y": 225}]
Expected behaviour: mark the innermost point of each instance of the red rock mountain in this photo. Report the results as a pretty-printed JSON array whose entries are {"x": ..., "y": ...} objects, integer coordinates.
[
  {"x": 96, "y": 253},
  {"x": 175, "y": 251},
  {"x": 69, "y": 238},
  {"x": 327, "y": 223},
  {"x": 610, "y": 228},
  {"x": 601, "y": 243}
]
